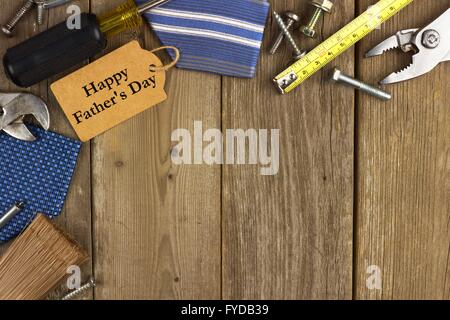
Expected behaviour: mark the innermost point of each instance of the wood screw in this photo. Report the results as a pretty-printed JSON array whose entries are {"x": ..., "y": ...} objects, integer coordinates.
[
  {"x": 288, "y": 35},
  {"x": 9, "y": 27},
  {"x": 291, "y": 20},
  {"x": 81, "y": 290}
]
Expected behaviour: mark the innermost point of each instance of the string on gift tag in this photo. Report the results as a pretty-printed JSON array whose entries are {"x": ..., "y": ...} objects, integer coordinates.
[{"x": 175, "y": 60}]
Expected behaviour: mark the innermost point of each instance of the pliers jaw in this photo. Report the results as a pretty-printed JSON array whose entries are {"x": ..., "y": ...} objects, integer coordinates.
[
  {"x": 401, "y": 40},
  {"x": 14, "y": 107},
  {"x": 430, "y": 45}
]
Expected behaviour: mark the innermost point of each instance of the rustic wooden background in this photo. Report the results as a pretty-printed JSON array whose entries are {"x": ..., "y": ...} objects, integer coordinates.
[{"x": 361, "y": 182}]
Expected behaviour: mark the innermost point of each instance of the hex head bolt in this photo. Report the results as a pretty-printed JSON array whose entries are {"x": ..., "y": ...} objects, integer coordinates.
[
  {"x": 297, "y": 51},
  {"x": 8, "y": 28},
  {"x": 291, "y": 21},
  {"x": 321, "y": 7},
  {"x": 338, "y": 76}
]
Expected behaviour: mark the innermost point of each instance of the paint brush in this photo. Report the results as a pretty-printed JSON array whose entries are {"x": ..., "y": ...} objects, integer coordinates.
[{"x": 37, "y": 261}]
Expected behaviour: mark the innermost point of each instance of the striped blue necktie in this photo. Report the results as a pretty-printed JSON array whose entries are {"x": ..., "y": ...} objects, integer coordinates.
[{"x": 218, "y": 36}]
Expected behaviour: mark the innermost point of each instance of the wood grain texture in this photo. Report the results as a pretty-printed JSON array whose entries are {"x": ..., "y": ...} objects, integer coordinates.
[
  {"x": 289, "y": 236},
  {"x": 349, "y": 193},
  {"x": 157, "y": 226},
  {"x": 76, "y": 216},
  {"x": 403, "y": 185}
]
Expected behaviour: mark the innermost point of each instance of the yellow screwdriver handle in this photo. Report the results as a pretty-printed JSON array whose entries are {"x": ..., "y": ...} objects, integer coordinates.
[{"x": 124, "y": 17}]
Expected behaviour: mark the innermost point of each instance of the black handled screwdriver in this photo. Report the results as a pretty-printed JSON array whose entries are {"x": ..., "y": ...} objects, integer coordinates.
[{"x": 60, "y": 47}]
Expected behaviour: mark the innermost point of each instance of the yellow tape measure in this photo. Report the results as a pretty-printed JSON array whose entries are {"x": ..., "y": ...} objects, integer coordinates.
[{"x": 341, "y": 41}]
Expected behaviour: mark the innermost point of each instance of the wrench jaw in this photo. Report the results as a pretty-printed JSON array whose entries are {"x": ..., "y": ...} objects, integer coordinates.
[
  {"x": 41, "y": 114},
  {"x": 20, "y": 131},
  {"x": 15, "y": 107}
]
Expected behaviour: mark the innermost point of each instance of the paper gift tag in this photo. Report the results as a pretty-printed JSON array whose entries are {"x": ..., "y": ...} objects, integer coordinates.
[{"x": 112, "y": 89}]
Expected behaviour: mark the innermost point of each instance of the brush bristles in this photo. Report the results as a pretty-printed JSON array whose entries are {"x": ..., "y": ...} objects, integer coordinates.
[{"x": 37, "y": 261}]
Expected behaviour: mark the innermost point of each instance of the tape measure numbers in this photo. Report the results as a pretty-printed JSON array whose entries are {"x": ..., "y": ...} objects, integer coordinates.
[{"x": 338, "y": 43}]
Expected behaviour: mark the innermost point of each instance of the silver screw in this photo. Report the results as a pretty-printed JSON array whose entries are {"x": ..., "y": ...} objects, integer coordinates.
[
  {"x": 9, "y": 27},
  {"x": 81, "y": 290},
  {"x": 338, "y": 76},
  {"x": 11, "y": 213},
  {"x": 321, "y": 7},
  {"x": 288, "y": 35},
  {"x": 292, "y": 19},
  {"x": 40, "y": 12}
]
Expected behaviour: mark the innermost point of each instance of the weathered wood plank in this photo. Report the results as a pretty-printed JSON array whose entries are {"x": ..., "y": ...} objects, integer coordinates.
[
  {"x": 289, "y": 236},
  {"x": 76, "y": 216},
  {"x": 403, "y": 176},
  {"x": 157, "y": 226}
]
